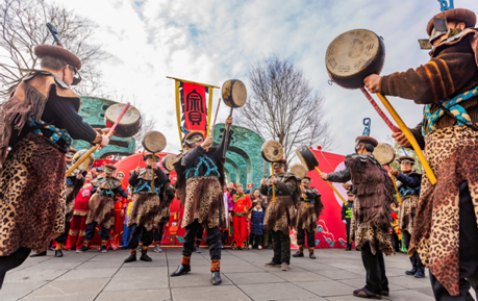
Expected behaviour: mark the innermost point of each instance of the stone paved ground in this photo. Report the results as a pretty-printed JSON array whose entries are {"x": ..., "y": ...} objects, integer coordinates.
[{"x": 96, "y": 276}]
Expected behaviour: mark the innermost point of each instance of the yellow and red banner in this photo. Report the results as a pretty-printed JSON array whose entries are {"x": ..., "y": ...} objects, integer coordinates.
[{"x": 193, "y": 112}]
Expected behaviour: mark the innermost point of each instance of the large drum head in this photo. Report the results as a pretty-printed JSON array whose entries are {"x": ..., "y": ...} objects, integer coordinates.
[
  {"x": 384, "y": 153},
  {"x": 87, "y": 163},
  {"x": 299, "y": 170},
  {"x": 154, "y": 142},
  {"x": 272, "y": 151},
  {"x": 234, "y": 93},
  {"x": 307, "y": 157},
  {"x": 168, "y": 162},
  {"x": 129, "y": 125},
  {"x": 354, "y": 55}
]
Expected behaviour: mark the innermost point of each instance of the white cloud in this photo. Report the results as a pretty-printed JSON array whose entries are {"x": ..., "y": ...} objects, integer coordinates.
[{"x": 210, "y": 41}]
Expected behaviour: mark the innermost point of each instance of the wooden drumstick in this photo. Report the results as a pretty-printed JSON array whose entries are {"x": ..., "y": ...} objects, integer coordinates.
[
  {"x": 91, "y": 150},
  {"x": 152, "y": 173},
  {"x": 406, "y": 131},
  {"x": 273, "y": 186},
  {"x": 396, "y": 189},
  {"x": 379, "y": 111},
  {"x": 228, "y": 129},
  {"x": 333, "y": 188}
]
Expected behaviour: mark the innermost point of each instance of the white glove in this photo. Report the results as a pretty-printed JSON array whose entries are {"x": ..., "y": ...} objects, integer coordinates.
[{"x": 105, "y": 140}]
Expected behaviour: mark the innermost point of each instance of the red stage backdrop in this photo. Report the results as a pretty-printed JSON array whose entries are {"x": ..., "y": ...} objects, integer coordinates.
[
  {"x": 331, "y": 229},
  {"x": 193, "y": 100}
]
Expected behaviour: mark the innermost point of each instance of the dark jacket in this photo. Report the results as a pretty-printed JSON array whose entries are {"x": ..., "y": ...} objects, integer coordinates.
[{"x": 257, "y": 222}]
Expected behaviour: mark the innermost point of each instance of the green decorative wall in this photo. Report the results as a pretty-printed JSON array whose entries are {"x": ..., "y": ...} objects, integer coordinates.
[
  {"x": 93, "y": 112},
  {"x": 244, "y": 163}
]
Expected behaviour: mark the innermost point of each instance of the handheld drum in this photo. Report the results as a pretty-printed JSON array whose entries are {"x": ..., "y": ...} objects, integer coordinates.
[
  {"x": 154, "y": 142},
  {"x": 129, "y": 125},
  {"x": 86, "y": 163},
  {"x": 168, "y": 162},
  {"x": 234, "y": 95},
  {"x": 123, "y": 111},
  {"x": 299, "y": 170},
  {"x": 385, "y": 154},
  {"x": 308, "y": 158},
  {"x": 350, "y": 58},
  {"x": 272, "y": 151}
]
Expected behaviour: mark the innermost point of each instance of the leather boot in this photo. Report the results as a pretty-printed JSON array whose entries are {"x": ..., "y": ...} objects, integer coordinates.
[
  {"x": 299, "y": 253},
  {"x": 131, "y": 257},
  {"x": 144, "y": 254},
  {"x": 311, "y": 253},
  {"x": 215, "y": 272},
  {"x": 58, "y": 252},
  {"x": 103, "y": 246},
  {"x": 184, "y": 267},
  {"x": 85, "y": 247}
]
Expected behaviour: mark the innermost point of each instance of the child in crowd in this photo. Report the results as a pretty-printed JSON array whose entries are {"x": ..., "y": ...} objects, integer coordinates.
[{"x": 257, "y": 226}]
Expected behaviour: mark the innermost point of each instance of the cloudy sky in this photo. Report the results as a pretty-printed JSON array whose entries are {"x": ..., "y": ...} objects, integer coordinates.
[{"x": 211, "y": 41}]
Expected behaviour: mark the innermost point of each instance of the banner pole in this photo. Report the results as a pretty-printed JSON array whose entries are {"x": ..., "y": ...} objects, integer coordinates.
[
  {"x": 209, "y": 111},
  {"x": 178, "y": 113}
]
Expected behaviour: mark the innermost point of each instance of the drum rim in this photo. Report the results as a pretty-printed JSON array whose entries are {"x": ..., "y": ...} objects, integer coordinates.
[
  {"x": 302, "y": 159},
  {"x": 360, "y": 74},
  {"x": 122, "y": 105}
]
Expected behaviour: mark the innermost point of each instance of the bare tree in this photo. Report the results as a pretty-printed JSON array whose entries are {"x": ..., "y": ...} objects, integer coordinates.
[
  {"x": 22, "y": 25},
  {"x": 284, "y": 107}
]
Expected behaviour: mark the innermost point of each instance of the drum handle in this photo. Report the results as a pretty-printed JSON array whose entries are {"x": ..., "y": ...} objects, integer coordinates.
[
  {"x": 406, "y": 131},
  {"x": 379, "y": 111},
  {"x": 273, "y": 186},
  {"x": 226, "y": 138},
  {"x": 152, "y": 173},
  {"x": 303, "y": 196},
  {"x": 264, "y": 169},
  {"x": 396, "y": 190},
  {"x": 92, "y": 149},
  {"x": 333, "y": 188}
]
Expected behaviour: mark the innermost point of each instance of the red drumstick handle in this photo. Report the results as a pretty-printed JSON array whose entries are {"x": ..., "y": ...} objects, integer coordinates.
[{"x": 379, "y": 111}]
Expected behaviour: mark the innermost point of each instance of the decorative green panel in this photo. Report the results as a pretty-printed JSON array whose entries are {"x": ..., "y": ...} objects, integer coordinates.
[
  {"x": 244, "y": 163},
  {"x": 92, "y": 110}
]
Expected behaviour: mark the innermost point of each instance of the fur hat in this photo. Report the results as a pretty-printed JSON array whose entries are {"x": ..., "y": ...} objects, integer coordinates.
[
  {"x": 367, "y": 139},
  {"x": 406, "y": 158},
  {"x": 58, "y": 52},
  {"x": 454, "y": 15},
  {"x": 108, "y": 169}
]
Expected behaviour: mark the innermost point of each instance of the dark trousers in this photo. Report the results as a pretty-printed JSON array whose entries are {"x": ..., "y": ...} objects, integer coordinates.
[
  {"x": 12, "y": 261},
  {"x": 138, "y": 233},
  {"x": 281, "y": 247},
  {"x": 376, "y": 280},
  {"x": 468, "y": 254},
  {"x": 199, "y": 236},
  {"x": 90, "y": 232},
  {"x": 62, "y": 238},
  {"x": 301, "y": 238},
  {"x": 395, "y": 242},
  {"x": 414, "y": 259},
  {"x": 158, "y": 234},
  {"x": 256, "y": 240},
  {"x": 213, "y": 238},
  {"x": 347, "y": 229}
]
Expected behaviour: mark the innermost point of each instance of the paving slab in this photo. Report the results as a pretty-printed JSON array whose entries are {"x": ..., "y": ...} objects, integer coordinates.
[
  {"x": 140, "y": 295},
  {"x": 273, "y": 291},
  {"x": 96, "y": 276}
]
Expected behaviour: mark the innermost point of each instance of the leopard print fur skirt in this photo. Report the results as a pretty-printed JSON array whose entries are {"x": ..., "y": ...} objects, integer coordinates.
[
  {"x": 202, "y": 201},
  {"x": 408, "y": 212},
  {"x": 32, "y": 207},
  {"x": 145, "y": 211},
  {"x": 453, "y": 156}
]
